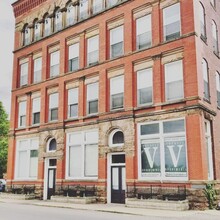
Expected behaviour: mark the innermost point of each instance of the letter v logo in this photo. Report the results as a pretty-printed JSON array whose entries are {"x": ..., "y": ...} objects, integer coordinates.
[
  {"x": 175, "y": 159},
  {"x": 149, "y": 155}
]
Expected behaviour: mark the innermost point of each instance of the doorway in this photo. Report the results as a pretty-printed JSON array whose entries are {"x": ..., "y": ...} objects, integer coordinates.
[{"x": 117, "y": 179}]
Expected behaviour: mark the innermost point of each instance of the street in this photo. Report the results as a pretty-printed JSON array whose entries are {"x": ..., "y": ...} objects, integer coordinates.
[{"x": 11, "y": 211}]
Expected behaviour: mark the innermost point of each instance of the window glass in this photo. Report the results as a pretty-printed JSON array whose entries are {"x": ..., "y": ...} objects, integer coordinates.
[
  {"x": 214, "y": 37},
  {"x": 36, "y": 31},
  {"x": 53, "y": 107},
  {"x": 171, "y": 19},
  {"x": 37, "y": 69},
  {"x": 205, "y": 79},
  {"x": 73, "y": 102},
  {"x": 58, "y": 20},
  {"x": 144, "y": 34},
  {"x": 174, "y": 80},
  {"x": 27, "y": 37},
  {"x": 92, "y": 98},
  {"x": 23, "y": 74},
  {"x": 97, "y": 6},
  {"x": 111, "y": 3},
  {"x": 174, "y": 126},
  {"x": 118, "y": 158},
  {"x": 202, "y": 21},
  {"x": 47, "y": 26},
  {"x": 91, "y": 158},
  {"x": 70, "y": 15},
  {"x": 74, "y": 57},
  {"x": 52, "y": 145},
  {"x": 83, "y": 8},
  {"x": 218, "y": 87},
  {"x": 22, "y": 114},
  {"x": 118, "y": 138},
  {"x": 149, "y": 129},
  {"x": 54, "y": 63},
  {"x": 36, "y": 110},
  {"x": 93, "y": 50}
]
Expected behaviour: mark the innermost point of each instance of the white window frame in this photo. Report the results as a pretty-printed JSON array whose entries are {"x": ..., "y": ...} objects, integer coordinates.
[
  {"x": 202, "y": 20},
  {"x": 110, "y": 139},
  {"x": 27, "y": 36},
  {"x": 178, "y": 62},
  {"x": 53, "y": 107},
  {"x": 161, "y": 136},
  {"x": 24, "y": 73},
  {"x": 35, "y": 109},
  {"x": 98, "y": 6},
  {"x": 73, "y": 54},
  {"x": 37, "y": 69},
  {"x": 205, "y": 72},
  {"x": 54, "y": 56},
  {"x": 92, "y": 96},
  {"x": 47, "y": 26},
  {"x": 92, "y": 47},
  {"x": 22, "y": 114},
  {"x": 218, "y": 87},
  {"x": 58, "y": 21},
  {"x": 83, "y": 9},
  {"x": 111, "y": 92},
  {"x": 83, "y": 146},
  {"x": 73, "y": 102},
  {"x": 37, "y": 31},
  {"x": 208, "y": 137},
  {"x": 70, "y": 14},
  {"x": 28, "y": 149},
  {"x": 215, "y": 37}
]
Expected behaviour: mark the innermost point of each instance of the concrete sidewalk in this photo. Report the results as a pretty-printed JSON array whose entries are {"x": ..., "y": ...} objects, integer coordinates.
[{"x": 112, "y": 208}]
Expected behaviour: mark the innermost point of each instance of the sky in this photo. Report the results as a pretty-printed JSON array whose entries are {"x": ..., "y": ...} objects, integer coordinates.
[{"x": 7, "y": 25}]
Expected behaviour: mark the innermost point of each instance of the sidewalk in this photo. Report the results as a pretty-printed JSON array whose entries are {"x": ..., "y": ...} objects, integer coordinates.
[{"x": 113, "y": 208}]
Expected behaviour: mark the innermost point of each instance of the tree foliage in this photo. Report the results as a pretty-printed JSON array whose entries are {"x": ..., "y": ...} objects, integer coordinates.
[{"x": 4, "y": 128}]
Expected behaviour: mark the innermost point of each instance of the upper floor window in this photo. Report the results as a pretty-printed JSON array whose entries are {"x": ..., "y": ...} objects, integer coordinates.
[
  {"x": 144, "y": 34},
  {"x": 37, "y": 69},
  {"x": 70, "y": 15},
  {"x": 73, "y": 61},
  {"x": 23, "y": 74},
  {"x": 36, "y": 111},
  {"x": 171, "y": 22},
  {"x": 73, "y": 95},
  {"x": 174, "y": 80},
  {"x": 116, "y": 138},
  {"x": 27, "y": 35},
  {"x": 92, "y": 98},
  {"x": 47, "y": 26},
  {"x": 36, "y": 31},
  {"x": 144, "y": 87},
  {"x": 52, "y": 145},
  {"x": 205, "y": 79},
  {"x": 215, "y": 37},
  {"x": 117, "y": 42},
  {"x": 111, "y": 3},
  {"x": 22, "y": 114},
  {"x": 84, "y": 9},
  {"x": 54, "y": 63},
  {"x": 117, "y": 92},
  {"x": 218, "y": 87},
  {"x": 58, "y": 20},
  {"x": 53, "y": 106},
  {"x": 97, "y": 6},
  {"x": 93, "y": 50},
  {"x": 202, "y": 21}
]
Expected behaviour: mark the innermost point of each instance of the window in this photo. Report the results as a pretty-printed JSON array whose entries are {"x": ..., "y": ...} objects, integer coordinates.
[
  {"x": 162, "y": 150},
  {"x": 52, "y": 145},
  {"x": 93, "y": 50},
  {"x": 54, "y": 63},
  {"x": 117, "y": 92},
  {"x": 84, "y": 9},
  {"x": 70, "y": 15},
  {"x": 97, "y": 6},
  {"x": 215, "y": 37},
  {"x": 111, "y": 3},
  {"x": 143, "y": 32},
  {"x": 116, "y": 138},
  {"x": 27, "y": 35},
  {"x": 218, "y": 87},
  {"x": 73, "y": 95},
  {"x": 23, "y": 74},
  {"x": 36, "y": 111},
  {"x": 205, "y": 79},
  {"x": 27, "y": 159},
  {"x": 22, "y": 114},
  {"x": 37, "y": 69},
  {"x": 92, "y": 98},
  {"x": 208, "y": 141},
  {"x": 144, "y": 87},
  {"x": 82, "y": 155},
  {"x": 202, "y": 21},
  {"x": 36, "y": 31},
  {"x": 73, "y": 57},
  {"x": 47, "y": 26},
  {"x": 174, "y": 80},
  {"x": 171, "y": 19},
  {"x": 58, "y": 20},
  {"x": 53, "y": 107},
  {"x": 117, "y": 42}
]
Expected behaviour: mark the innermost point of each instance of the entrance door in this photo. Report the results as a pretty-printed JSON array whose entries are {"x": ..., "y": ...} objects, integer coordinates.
[
  {"x": 118, "y": 184},
  {"x": 51, "y": 182}
]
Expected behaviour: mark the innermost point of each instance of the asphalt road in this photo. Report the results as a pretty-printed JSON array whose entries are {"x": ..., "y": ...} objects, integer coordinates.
[{"x": 10, "y": 211}]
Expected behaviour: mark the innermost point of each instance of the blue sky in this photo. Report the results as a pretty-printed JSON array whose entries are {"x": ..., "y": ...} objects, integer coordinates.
[{"x": 6, "y": 48}]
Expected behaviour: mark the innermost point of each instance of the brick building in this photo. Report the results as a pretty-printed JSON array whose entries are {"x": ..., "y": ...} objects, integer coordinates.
[{"x": 114, "y": 93}]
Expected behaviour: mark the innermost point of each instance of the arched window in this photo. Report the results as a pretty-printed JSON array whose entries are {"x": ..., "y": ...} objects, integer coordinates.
[
  {"x": 202, "y": 21},
  {"x": 26, "y": 35},
  {"x": 52, "y": 145},
  {"x": 215, "y": 37},
  {"x": 205, "y": 78},
  {"x": 47, "y": 26},
  {"x": 116, "y": 138},
  {"x": 70, "y": 15},
  {"x": 218, "y": 87},
  {"x": 84, "y": 9},
  {"x": 58, "y": 20},
  {"x": 36, "y": 30}
]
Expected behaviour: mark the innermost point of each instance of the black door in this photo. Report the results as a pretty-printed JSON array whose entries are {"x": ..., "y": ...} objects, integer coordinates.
[
  {"x": 51, "y": 182},
  {"x": 118, "y": 184}
]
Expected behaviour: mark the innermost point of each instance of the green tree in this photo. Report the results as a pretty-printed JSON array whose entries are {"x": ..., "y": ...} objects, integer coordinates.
[{"x": 4, "y": 128}]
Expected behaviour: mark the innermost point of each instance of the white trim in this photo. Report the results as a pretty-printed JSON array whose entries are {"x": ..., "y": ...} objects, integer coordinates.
[
  {"x": 160, "y": 136},
  {"x": 109, "y": 165},
  {"x": 110, "y": 142}
]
